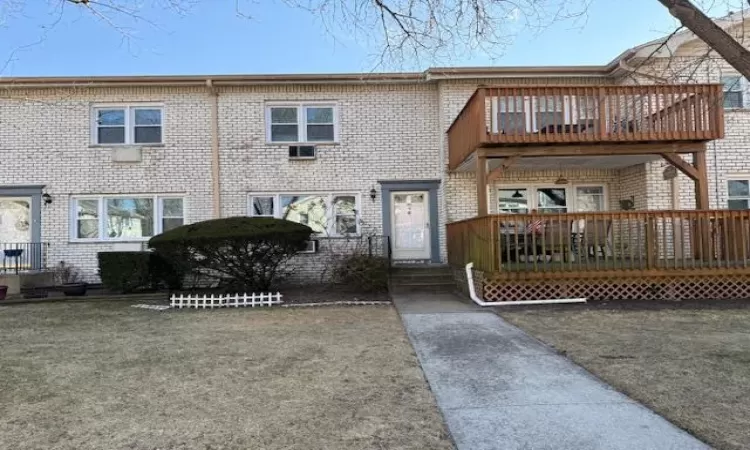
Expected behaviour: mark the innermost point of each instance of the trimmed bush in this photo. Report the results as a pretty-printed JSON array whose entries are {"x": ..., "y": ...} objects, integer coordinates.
[
  {"x": 125, "y": 271},
  {"x": 238, "y": 253},
  {"x": 363, "y": 273}
]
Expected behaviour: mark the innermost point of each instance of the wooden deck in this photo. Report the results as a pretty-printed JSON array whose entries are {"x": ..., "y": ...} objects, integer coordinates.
[
  {"x": 607, "y": 254},
  {"x": 527, "y": 116}
]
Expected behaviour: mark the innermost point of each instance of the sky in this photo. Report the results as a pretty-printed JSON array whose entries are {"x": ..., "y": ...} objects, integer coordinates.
[{"x": 212, "y": 38}]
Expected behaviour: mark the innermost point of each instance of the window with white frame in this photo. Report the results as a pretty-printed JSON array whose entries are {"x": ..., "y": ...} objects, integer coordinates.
[
  {"x": 734, "y": 91},
  {"x": 590, "y": 198},
  {"x": 327, "y": 214},
  {"x": 301, "y": 123},
  {"x": 513, "y": 201},
  {"x": 523, "y": 199},
  {"x": 738, "y": 194},
  {"x": 124, "y": 125},
  {"x": 124, "y": 217}
]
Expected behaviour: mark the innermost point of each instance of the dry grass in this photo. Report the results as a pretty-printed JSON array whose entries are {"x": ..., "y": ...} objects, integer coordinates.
[
  {"x": 690, "y": 365},
  {"x": 108, "y": 376}
]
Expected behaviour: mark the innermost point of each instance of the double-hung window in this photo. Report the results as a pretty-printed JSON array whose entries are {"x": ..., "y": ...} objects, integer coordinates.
[
  {"x": 327, "y": 214},
  {"x": 127, "y": 125},
  {"x": 301, "y": 123},
  {"x": 734, "y": 91},
  {"x": 124, "y": 217},
  {"x": 738, "y": 194}
]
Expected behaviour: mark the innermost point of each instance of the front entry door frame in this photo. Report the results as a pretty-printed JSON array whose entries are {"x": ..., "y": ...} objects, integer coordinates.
[
  {"x": 388, "y": 187},
  {"x": 421, "y": 224},
  {"x": 35, "y": 194}
]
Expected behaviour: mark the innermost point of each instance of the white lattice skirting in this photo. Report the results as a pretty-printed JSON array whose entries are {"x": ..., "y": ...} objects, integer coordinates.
[{"x": 225, "y": 301}]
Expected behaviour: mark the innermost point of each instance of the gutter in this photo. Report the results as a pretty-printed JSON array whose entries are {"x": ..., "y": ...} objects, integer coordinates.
[
  {"x": 215, "y": 167},
  {"x": 481, "y": 302}
]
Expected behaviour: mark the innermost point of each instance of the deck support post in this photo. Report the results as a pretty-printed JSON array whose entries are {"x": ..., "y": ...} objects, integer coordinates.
[
  {"x": 701, "y": 203},
  {"x": 481, "y": 184},
  {"x": 698, "y": 172}
]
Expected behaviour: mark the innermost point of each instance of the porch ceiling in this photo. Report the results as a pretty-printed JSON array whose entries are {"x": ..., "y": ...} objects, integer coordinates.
[{"x": 565, "y": 162}]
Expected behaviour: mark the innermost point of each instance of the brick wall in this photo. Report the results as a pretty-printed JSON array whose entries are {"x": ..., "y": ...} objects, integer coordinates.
[
  {"x": 387, "y": 132},
  {"x": 45, "y": 139}
]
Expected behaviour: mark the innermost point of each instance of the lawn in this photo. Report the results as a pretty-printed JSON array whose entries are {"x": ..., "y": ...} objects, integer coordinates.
[
  {"x": 689, "y": 362},
  {"x": 109, "y": 376}
]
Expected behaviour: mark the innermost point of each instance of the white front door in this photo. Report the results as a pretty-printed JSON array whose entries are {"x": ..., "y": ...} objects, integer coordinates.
[
  {"x": 15, "y": 220},
  {"x": 410, "y": 219}
]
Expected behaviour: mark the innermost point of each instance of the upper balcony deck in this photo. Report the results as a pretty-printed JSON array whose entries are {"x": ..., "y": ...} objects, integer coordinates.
[{"x": 519, "y": 116}]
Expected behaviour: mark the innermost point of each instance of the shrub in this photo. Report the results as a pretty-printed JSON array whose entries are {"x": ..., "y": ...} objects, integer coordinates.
[
  {"x": 239, "y": 253},
  {"x": 125, "y": 271},
  {"x": 362, "y": 273}
]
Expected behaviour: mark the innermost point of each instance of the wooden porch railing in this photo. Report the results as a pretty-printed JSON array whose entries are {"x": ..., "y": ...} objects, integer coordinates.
[
  {"x": 543, "y": 115},
  {"x": 709, "y": 241}
]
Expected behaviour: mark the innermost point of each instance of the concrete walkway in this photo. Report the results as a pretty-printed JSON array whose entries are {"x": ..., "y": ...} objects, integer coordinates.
[{"x": 499, "y": 388}]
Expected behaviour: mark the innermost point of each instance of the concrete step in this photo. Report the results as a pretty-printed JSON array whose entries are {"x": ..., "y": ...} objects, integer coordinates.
[
  {"x": 429, "y": 287},
  {"x": 421, "y": 277},
  {"x": 423, "y": 269}
]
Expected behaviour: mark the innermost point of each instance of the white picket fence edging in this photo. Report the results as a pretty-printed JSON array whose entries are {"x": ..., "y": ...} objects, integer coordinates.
[{"x": 225, "y": 300}]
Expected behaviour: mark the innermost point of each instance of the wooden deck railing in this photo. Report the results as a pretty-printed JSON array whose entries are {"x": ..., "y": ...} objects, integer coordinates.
[
  {"x": 543, "y": 115},
  {"x": 714, "y": 240}
]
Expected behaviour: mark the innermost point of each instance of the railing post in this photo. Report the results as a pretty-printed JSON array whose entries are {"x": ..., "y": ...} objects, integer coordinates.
[
  {"x": 602, "y": 100},
  {"x": 481, "y": 121}
]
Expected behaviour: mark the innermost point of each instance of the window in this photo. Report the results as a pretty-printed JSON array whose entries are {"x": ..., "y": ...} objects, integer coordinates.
[
  {"x": 172, "y": 214},
  {"x": 124, "y": 218},
  {"x": 262, "y": 206},
  {"x": 301, "y": 123},
  {"x": 513, "y": 201},
  {"x": 590, "y": 198},
  {"x": 345, "y": 214},
  {"x": 122, "y": 125},
  {"x": 738, "y": 194},
  {"x": 733, "y": 91},
  {"x": 326, "y": 214},
  {"x": 552, "y": 200}
]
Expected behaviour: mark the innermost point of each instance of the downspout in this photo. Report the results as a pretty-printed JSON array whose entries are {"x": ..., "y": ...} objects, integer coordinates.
[
  {"x": 481, "y": 302},
  {"x": 215, "y": 168}
]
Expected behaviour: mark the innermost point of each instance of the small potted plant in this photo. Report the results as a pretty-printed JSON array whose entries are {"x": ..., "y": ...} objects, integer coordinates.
[{"x": 69, "y": 280}]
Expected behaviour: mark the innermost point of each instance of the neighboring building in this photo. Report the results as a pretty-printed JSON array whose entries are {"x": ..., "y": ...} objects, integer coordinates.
[{"x": 103, "y": 163}]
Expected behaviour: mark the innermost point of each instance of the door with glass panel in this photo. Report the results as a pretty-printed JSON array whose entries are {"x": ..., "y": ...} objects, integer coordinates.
[
  {"x": 411, "y": 225},
  {"x": 15, "y": 233}
]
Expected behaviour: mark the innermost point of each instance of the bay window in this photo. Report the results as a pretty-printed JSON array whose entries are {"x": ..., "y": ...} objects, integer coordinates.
[
  {"x": 124, "y": 218},
  {"x": 327, "y": 214}
]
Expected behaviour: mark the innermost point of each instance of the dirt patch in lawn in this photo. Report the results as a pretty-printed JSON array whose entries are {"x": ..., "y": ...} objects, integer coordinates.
[
  {"x": 690, "y": 364},
  {"x": 109, "y": 376}
]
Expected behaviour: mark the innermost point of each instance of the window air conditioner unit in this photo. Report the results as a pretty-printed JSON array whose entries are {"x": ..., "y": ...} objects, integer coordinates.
[
  {"x": 301, "y": 152},
  {"x": 312, "y": 247}
]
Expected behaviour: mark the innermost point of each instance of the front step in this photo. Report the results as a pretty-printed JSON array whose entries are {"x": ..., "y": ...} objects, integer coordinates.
[
  {"x": 430, "y": 288},
  {"x": 431, "y": 279}
]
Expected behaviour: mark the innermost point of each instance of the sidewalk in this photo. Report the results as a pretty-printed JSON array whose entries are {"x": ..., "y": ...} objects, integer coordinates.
[{"x": 499, "y": 388}]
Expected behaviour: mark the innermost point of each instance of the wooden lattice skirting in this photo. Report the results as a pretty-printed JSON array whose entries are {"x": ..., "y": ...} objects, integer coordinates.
[{"x": 688, "y": 287}]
